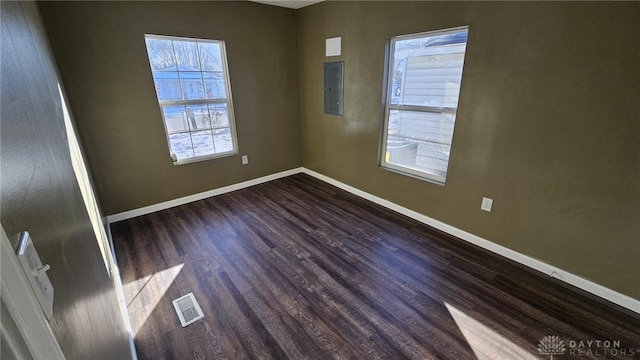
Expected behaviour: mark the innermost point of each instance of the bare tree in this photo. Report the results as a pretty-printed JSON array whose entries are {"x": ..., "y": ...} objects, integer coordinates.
[{"x": 165, "y": 53}]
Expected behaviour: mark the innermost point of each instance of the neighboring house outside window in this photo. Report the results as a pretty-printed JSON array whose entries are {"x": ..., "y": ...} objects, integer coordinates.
[
  {"x": 423, "y": 86},
  {"x": 194, "y": 94}
]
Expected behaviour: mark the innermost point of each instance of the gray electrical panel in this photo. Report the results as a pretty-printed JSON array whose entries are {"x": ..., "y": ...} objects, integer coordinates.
[{"x": 333, "y": 87}]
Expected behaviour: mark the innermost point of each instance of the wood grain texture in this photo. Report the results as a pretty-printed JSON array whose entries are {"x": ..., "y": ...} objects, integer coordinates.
[{"x": 296, "y": 268}]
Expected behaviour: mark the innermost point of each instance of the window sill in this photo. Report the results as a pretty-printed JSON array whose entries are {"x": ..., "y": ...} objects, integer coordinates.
[{"x": 204, "y": 158}]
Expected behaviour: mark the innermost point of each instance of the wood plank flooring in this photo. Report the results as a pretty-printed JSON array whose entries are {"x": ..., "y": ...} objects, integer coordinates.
[{"x": 298, "y": 269}]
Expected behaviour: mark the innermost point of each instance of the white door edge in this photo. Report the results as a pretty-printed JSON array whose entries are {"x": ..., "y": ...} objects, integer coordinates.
[{"x": 23, "y": 306}]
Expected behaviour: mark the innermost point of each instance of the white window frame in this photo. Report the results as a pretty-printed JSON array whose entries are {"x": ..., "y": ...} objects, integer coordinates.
[
  {"x": 228, "y": 101},
  {"x": 388, "y": 85}
]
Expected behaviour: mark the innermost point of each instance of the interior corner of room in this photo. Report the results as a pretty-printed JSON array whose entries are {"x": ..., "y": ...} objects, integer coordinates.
[{"x": 535, "y": 161}]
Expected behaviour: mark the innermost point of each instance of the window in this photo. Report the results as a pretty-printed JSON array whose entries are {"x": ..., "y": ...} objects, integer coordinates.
[
  {"x": 194, "y": 93},
  {"x": 423, "y": 85}
]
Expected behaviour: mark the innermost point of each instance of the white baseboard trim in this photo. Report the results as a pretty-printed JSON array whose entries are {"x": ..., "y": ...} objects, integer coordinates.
[
  {"x": 122, "y": 302},
  {"x": 200, "y": 196},
  {"x": 565, "y": 276}
]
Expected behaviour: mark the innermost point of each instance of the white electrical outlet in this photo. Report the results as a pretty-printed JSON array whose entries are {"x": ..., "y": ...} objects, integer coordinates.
[
  {"x": 486, "y": 204},
  {"x": 245, "y": 159}
]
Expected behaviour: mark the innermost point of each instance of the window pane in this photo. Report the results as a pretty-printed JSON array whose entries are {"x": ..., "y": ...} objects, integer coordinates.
[
  {"x": 181, "y": 145},
  {"x": 175, "y": 119},
  {"x": 187, "y": 55},
  {"x": 192, "y": 87},
  {"x": 214, "y": 85},
  {"x": 161, "y": 56},
  {"x": 198, "y": 117},
  {"x": 188, "y": 74},
  {"x": 419, "y": 140},
  {"x": 427, "y": 71},
  {"x": 167, "y": 85},
  {"x": 202, "y": 143},
  {"x": 210, "y": 56},
  {"x": 219, "y": 115},
  {"x": 222, "y": 139}
]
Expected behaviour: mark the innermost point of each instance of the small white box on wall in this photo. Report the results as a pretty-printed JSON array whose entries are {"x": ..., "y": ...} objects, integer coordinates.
[{"x": 333, "y": 46}]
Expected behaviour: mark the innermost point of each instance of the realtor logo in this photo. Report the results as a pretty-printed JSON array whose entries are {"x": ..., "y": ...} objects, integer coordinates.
[{"x": 551, "y": 345}]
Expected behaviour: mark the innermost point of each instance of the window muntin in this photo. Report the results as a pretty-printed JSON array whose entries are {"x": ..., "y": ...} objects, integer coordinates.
[
  {"x": 423, "y": 87},
  {"x": 194, "y": 94}
]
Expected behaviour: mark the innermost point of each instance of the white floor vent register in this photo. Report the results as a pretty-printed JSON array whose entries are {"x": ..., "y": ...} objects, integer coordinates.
[{"x": 188, "y": 309}]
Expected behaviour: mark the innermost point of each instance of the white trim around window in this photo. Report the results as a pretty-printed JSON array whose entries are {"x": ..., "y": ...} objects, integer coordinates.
[
  {"x": 191, "y": 78},
  {"x": 423, "y": 80}
]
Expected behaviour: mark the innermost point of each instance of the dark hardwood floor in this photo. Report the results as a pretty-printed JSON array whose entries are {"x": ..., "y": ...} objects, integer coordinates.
[{"x": 296, "y": 268}]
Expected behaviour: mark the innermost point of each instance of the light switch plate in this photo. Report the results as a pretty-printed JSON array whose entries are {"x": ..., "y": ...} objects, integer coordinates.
[
  {"x": 487, "y": 204},
  {"x": 36, "y": 273},
  {"x": 245, "y": 159}
]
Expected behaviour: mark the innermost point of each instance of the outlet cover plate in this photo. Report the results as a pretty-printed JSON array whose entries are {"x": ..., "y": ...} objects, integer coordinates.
[{"x": 487, "y": 204}]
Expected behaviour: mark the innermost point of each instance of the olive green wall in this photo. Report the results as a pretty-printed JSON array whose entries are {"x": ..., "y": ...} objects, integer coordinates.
[
  {"x": 548, "y": 124},
  {"x": 101, "y": 53},
  {"x": 40, "y": 193}
]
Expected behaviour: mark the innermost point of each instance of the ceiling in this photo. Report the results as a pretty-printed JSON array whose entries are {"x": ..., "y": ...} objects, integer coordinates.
[{"x": 291, "y": 4}]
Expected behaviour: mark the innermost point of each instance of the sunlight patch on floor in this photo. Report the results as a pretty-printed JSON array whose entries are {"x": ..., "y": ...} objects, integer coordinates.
[
  {"x": 486, "y": 343},
  {"x": 152, "y": 290}
]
